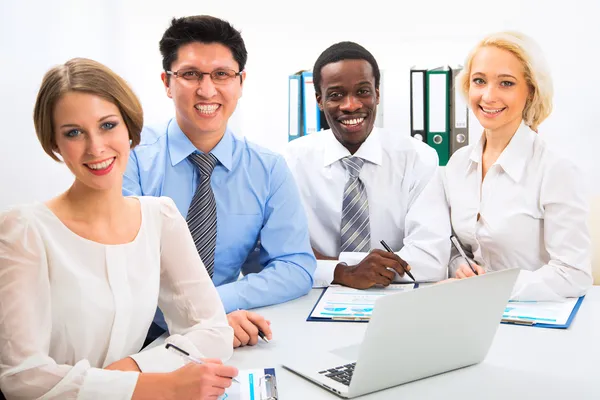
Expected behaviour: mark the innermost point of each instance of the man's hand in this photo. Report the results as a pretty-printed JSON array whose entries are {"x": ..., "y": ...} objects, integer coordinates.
[
  {"x": 377, "y": 268},
  {"x": 245, "y": 326}
]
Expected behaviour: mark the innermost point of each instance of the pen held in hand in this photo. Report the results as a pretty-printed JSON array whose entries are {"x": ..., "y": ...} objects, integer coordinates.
[
  {"x": 263, "y": 336},
  {"x": 384, "y": 244},
  {"x": 187, "y": 355},
  {"x": 462, "y": 253}
]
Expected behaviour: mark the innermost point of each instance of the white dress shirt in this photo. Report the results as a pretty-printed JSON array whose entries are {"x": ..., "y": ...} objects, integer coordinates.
[
  {"x": 405, "y": 193},
  {"x": 70, "y": 306},
  {"x": 533, "y": 215}
]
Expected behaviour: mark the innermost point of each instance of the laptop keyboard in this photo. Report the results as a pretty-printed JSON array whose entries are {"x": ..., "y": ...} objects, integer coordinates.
[{"x": 341, "y": 374}]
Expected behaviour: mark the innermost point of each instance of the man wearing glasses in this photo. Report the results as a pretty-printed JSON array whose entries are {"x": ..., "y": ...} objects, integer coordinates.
[{"x": 233, "y": 194}]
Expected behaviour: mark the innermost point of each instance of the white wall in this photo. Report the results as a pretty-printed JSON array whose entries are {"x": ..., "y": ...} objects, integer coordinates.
[{"x": 283, "y": 37}]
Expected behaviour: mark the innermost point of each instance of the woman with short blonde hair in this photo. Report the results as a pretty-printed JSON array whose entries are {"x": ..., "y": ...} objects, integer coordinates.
[{"x": 515, "y": 202}]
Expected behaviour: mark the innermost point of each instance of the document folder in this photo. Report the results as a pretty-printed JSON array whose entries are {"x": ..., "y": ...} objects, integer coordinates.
[
  {"x": 343, "y": 304},
  {"x": 540, "y": 314},
  {"x": 459, "y": 114},
  {"x": 294, "y": 107},
  {"x": 438, "y": 107},
  {"x": 418, "y": 103},
  {"x": 310, "y": 109}
]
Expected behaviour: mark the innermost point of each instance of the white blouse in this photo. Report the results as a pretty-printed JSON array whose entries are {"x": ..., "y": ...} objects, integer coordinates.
[
  {"x": 533, "y": 211},
  {"x": 70, "y": 306}
]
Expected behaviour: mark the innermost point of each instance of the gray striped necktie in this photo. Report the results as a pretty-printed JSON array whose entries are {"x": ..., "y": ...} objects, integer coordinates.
[
  {"x": 356, "y": 232},
  {"x": 202, "y": 214}
]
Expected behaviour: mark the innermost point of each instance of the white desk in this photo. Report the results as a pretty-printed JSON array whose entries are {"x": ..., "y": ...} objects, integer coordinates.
[{"x": 523, "y": 362}]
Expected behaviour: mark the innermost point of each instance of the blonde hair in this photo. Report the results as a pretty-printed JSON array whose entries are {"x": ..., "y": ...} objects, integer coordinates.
[
  {"x": 87, "y": 76},
  {"x": 537, "y": 73}
]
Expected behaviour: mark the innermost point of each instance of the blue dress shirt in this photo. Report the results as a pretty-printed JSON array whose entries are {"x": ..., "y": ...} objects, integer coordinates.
[{"x": 256, "y": 197}]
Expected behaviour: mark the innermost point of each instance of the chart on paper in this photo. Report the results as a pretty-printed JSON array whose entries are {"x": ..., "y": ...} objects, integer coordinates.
[
  {"x": 343, "y": 302},
  {"x": 542, "y": 312}
]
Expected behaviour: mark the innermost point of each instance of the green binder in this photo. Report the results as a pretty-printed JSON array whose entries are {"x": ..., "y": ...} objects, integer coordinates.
[{"x": 438, "y": 111}]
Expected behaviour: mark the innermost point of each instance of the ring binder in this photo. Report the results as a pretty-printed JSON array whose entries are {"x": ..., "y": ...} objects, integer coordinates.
[{"x": 270, "y": 383}]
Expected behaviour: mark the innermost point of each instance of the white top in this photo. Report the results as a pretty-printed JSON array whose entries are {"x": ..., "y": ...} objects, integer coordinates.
[
  {"x": 70, "y": 306},
  {"x": 533, "y": 215},
  {"x": 406, "y": 199}
]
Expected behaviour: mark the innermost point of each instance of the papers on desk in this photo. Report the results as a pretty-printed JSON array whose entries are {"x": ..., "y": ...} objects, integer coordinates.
[
  {"x": 255, "y": 384},
  {"x": 542, "y": 314},
  {"x": 340, "y": 303}
]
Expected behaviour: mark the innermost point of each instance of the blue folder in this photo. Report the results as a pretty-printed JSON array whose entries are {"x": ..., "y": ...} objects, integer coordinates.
[
  {"x": 546, "y": 325},
  {"x": 341, "y": 319}
]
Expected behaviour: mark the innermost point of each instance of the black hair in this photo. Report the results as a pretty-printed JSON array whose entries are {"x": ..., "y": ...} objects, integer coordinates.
[
  {"x": 344, "y": 51},
  {"x": 204, "y": 29}
]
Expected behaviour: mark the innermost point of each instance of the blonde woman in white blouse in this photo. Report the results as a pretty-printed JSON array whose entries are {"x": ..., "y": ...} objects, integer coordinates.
[
  {"x": 81, "y": 275},
  {"x": 514, "y": 202}
]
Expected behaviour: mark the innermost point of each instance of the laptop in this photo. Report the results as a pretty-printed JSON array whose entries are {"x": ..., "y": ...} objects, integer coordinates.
[{"x": 414, "y": 335}]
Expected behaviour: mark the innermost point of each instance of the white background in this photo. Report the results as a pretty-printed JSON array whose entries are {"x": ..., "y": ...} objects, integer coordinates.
[{"x": 283, "y": 37}]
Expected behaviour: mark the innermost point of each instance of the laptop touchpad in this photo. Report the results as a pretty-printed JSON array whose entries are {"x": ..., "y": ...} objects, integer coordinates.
[{"x": 350, "y": 353}]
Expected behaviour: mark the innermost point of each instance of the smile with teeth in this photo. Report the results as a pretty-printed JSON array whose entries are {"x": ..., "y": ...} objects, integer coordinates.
[
  {"x": 207, "y": 108},
  {"x": 101, "y": 165},
  {"x": 491, "y": 110},
  {"x": 352, "y": 122}
]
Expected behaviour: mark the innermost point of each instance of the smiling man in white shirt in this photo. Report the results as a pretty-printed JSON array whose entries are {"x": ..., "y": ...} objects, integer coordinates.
[{"x": 360, "y": 184}]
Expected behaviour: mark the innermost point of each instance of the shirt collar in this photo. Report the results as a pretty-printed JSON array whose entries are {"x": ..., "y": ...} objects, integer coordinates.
[
  {"x": 180, "y": 146},
  {"x": 515, "y": 155},
  {"x": 370, "y": 150}
]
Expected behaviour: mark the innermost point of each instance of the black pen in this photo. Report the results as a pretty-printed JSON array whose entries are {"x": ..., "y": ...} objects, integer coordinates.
[
  {"x": 263, "y": 336},
  {"x": 384, "y": 244},
  {"x": 462, "y": 253}
]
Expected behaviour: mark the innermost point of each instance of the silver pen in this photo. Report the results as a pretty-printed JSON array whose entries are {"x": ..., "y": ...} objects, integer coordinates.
[
  {"x": 188, "y": 356},
  {"x": 462, "y": 253}
]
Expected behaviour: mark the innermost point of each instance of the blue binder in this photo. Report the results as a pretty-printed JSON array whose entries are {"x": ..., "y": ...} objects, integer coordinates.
[
  {"x": 310, "y": 108},
  {"x": 304, "y": 115},
  {"x": 538, "y": 324},
  {"x": 341, "y": 319},
  {"x": 294, "y": 107}
]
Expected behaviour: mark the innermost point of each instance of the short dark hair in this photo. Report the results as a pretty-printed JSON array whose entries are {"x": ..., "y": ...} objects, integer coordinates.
[
  {"x": 344, "y": 51},
  {"x": 203, "y": 29}
]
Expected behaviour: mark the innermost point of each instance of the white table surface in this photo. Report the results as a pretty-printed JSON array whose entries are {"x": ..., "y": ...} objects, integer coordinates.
[{"x": 523, "y": 362}]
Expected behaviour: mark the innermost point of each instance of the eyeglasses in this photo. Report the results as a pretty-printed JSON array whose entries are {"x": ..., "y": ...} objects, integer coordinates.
[{"x": 218, "y": 76}]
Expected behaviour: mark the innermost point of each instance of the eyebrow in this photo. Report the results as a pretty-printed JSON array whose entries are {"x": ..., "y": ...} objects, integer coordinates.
[
  {"x": 338, "y": 87},
  {"x": 77, "y": 126},
  {"x": 191, "y": 67},
  {"x": 107, "y": 116},
  {"x": 499, "y": 76}
]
